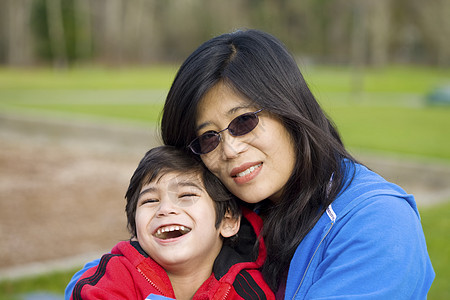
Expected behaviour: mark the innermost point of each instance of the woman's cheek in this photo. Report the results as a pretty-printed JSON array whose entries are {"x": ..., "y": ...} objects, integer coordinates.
[{"x": 212, "y": 164}]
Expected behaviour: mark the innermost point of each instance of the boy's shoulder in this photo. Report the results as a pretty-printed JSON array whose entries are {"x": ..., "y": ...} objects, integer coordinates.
[{"x": 124, "y": 271}]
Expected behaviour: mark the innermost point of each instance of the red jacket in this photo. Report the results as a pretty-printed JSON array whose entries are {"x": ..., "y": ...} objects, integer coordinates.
[{"x": 129, "y": 273}]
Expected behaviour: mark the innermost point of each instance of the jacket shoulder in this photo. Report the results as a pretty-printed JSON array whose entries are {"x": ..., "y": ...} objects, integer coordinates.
[{"x": 93, "y": 276}]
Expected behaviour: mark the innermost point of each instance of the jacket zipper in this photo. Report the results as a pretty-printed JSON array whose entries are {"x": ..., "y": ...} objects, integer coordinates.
[
  {"x": 222, "y": 297},
  {"x": 227, "y": 293},
  {"x": 151, "y": 282},
  {"x": 309, "y": 263},
  {"x": 159, "y": 290}
]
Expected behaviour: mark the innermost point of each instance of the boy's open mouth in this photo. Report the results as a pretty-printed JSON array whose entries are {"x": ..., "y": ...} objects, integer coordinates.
[{"x": 171, "y": 231}]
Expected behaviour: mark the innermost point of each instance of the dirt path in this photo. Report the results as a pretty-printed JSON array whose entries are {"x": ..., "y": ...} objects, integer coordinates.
[
  {"x": 62, "y": 188},
  {"x": 62, "y": 185}
]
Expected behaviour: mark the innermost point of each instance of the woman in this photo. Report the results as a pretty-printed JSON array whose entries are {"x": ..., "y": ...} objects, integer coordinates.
[{"x": 333, "y": 228}]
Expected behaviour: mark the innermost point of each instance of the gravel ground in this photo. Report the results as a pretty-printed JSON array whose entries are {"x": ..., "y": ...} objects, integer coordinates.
[{"x": 62, "y": 187}]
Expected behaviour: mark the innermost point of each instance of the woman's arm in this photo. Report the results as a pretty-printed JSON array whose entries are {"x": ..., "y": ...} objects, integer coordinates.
[{"x": 377, "y": 250}]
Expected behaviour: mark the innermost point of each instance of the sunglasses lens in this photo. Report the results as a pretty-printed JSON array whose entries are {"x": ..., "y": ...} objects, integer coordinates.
[
  {"x": 243, "y": 124},
  {"x": 240, "y": 125},
  {"x": 205, "y": 143}
]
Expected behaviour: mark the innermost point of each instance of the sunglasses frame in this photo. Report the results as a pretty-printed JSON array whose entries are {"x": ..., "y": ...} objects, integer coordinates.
[{"x": 218, "y": 133}]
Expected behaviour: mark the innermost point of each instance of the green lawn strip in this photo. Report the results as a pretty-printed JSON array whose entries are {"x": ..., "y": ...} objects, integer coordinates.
[
  {"x": 420, "y": 131},
  {"x": 389, "y": 115},
  {"x": 54, "y": 282},
  {"x": 132, "y": 105},
  {"x": 393, "y": 79},
  {"x": 149, "y": 113},
  {"x": 81, "y": 96},
  {"x": 416, "y": 131},
  {"x": 152, "y": 77},
  {"x": 436, "y": 225}
]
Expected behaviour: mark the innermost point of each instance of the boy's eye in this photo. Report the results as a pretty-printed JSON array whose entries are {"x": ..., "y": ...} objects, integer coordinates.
[
  {"x": 188, "y": 195},
  {"x": 149, "y": 201},
  {"x": 184, "y": 200}
]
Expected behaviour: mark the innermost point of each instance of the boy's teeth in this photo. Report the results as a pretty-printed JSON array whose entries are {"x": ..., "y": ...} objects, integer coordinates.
[
  {"x": 248, "y": 171},
  {"x": 169, "y": 229}
]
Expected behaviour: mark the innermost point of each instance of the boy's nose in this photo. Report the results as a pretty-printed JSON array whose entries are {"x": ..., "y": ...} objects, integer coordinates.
[{"x": 167, "y": 207}]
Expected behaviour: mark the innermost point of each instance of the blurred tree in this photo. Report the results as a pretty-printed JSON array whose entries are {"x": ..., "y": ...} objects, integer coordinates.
[
  {"x": 143, "y": 31},
  {"x": 111, "y": 42},
  {"x": 433, "y": 21},
  {"x": 16, "y": 37},
  {"x": 337, "y": 33},
  {"x": 379, "y": 23},
  {"x": 83, "y": 32},
  {"x": 56, "y": 34},
  {"x": 40, "y": 30},
  {"x": 360, "y": 11},
  {"x": 62, "y": 30}
]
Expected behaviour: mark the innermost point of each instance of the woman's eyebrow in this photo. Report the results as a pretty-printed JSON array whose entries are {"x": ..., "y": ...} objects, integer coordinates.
[
  {"x": 230, "y": 112},
  {"x": 237, "y": 108},
  {"x": 201, "y": 126}
]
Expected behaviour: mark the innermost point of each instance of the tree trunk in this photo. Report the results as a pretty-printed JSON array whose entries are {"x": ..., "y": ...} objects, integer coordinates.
[
  {"x": 113, "y": 42},
  {"x": 433, "y": 21},
  {"x": 358, "y": 47},
  {"x": 379, "y": 26},
  {"x": 56, "y": 33},
  {"x": 18, "y": 36},
  {"x": 83, "y": 31}
]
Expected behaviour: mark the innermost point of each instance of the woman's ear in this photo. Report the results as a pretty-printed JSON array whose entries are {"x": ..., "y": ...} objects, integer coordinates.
[{"x": 230, "y": 225}]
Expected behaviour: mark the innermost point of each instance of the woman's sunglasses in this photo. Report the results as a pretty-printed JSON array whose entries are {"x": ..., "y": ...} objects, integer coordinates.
[{"x": 240, "y": 125}]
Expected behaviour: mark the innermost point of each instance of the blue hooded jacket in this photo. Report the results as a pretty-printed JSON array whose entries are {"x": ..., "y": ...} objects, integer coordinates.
[{"x": 368, "y": 245}]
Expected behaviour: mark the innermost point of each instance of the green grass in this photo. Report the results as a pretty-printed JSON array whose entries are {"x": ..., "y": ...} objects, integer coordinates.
[
  {"x": 435, "y": 222},
  {"x": 157, "y": 77},
  {"x": 136, "y": 105},
  {"x": 53, "y": 283},
  {"x": 387, "y": 114},
  {"x": 436, "y": 225},
  {"x": 403, "y": 130},
  {"x": 393, "y": 79}
]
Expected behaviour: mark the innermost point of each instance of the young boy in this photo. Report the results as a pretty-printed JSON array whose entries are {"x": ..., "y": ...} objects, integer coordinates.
[{"x": 183, "y": 222}]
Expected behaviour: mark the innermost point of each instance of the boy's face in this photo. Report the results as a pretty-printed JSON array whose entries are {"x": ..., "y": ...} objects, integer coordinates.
[{"x": 175, "y": 223}]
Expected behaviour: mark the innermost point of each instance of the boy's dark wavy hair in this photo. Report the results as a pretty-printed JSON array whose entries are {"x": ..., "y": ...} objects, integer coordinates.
[
  {"x": 166, "y": 159},
  {"x": 258, "y": 67}
]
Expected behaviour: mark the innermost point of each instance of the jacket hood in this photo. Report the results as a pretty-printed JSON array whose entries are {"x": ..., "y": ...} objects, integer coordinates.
[{"x": 362, "y": 185}]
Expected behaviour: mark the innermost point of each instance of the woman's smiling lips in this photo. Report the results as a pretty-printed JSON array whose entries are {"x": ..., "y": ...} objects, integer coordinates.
[{"x": 246, "y": 172}]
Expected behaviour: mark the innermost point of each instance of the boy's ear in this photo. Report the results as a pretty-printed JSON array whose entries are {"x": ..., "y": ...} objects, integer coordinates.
[{"x": 230, "y": 225}]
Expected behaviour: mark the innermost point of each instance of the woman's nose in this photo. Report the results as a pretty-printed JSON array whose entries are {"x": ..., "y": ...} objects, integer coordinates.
[{"x": 231, "y": 146}]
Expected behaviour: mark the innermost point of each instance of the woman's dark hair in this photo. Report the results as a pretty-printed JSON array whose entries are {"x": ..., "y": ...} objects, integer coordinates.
[
  {"x": 166, "y": 159},
  {"x": 257, "y": 66}
]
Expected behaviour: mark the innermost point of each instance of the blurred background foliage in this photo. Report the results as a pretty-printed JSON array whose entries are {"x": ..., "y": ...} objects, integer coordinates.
[{"x": 117, "y": 32}]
